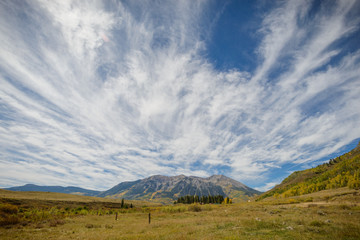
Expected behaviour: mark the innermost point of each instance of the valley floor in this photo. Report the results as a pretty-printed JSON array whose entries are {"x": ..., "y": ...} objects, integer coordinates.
[{"x": 254, "y": 220}]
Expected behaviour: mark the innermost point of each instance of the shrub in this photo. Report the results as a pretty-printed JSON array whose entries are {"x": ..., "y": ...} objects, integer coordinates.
[
  {"x": 317, "y": 223},
  {"x": 109, "y": 226},
  {"x": 194, "y": 208},
  {"x": 55, "y": 222},
  {"x": 173, "y": 209},
  {"x": 90, "y": 225},
  {"x": 312, "y": 205},
  {"x": 9, "y": 220},
  {"x": 8, "y": 209}
]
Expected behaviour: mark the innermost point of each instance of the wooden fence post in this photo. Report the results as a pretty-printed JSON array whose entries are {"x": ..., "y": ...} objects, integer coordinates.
[
  {"x": 116, "y": 216},
  {"x": 149, "y": 218}
]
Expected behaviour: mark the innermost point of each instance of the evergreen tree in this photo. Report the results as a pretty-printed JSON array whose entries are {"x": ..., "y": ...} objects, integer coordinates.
[{"x": 190, "y": 199}]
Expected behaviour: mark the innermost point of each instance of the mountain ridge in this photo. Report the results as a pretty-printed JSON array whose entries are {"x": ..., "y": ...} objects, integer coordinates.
[
  {"x": 165, "y": 189},
  {"x": 159, "y": 188},
  {"x": 58, "y": 189}
]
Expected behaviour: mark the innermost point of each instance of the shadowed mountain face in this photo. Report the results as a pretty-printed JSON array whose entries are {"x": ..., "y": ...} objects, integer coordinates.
[
  {"x": 166, "y": 189},
  {"x": 58, "y": 189}
]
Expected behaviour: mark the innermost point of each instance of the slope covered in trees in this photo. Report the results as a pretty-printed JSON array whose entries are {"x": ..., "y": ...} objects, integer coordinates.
[{"x": 343, "y": 171}]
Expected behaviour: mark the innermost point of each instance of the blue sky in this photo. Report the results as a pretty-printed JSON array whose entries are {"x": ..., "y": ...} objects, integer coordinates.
[{"x": 96, "y": 93}]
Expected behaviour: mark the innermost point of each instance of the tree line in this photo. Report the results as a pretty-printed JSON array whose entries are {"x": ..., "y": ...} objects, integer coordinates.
[
  {"x": 189, "y": 199},
  {"x": 125, "y": 205}
]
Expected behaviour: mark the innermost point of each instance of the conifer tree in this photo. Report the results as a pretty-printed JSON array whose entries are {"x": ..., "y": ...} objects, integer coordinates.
[{"x": 190, "y": 199}]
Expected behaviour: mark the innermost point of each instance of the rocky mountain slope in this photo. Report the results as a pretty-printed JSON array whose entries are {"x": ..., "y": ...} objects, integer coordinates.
[
  {"x": 161, "y": 189},
  {"x": 166, "y": 189}
]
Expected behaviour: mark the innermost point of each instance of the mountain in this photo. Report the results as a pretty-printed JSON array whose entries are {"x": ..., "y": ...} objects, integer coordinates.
[
  {"x": 58, "y": 189},
  {"x": 166, "y": 189},
  {"x": 161, "y": 189},
  {"x": 343, "y": 171}
]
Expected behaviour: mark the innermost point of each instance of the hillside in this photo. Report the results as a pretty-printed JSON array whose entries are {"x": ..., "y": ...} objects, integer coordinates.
[
  {"x": 57, "y": 189},
  {"x": 166, "y": 189},
  {"x": 160, "y": 189},
  {"x": 343, "y": 171}
]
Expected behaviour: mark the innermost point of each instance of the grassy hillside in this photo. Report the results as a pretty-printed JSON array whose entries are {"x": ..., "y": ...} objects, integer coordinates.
[{"x": 343, "y": 171}]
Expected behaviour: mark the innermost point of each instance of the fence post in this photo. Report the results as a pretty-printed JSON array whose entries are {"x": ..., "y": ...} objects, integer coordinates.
[
  {"x": 149, "y": 218},
  {"x": 116, "y": 215}
]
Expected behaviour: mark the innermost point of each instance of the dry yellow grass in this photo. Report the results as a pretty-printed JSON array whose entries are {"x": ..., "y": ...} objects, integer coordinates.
[
  {"x": 261, "y": 220},
  {"x": 241, "y": 221},
  {"x": 333, "y": 196},
  {"x": 65, "y": 197}
]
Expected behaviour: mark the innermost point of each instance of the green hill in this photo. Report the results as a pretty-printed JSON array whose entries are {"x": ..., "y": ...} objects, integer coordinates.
[{"x": 343, "y": 171}]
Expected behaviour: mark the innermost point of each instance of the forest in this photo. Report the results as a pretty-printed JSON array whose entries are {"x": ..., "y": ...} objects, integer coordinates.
[{"x": 189, "y": 199}]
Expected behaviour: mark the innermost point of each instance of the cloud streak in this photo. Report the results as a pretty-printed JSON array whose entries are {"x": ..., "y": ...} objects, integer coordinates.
[{"x": 98, "y": 93}]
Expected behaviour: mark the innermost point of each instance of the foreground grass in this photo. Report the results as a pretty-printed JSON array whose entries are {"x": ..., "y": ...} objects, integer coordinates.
[{"x": 261, "y": 220}]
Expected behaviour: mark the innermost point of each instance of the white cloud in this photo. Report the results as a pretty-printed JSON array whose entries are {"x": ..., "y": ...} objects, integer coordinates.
[
  {"x": 267, "y": 186},
  {"x": 93, "y": 94}
]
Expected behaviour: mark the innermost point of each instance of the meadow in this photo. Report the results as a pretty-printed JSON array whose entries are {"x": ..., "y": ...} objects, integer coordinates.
[{"x": 325, "y": 215}]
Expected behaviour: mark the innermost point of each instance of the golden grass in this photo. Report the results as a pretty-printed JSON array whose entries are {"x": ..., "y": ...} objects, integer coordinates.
[
  {"x": 260, "y": 220},
  {"x": 332, "y": 196},
  {"x": 65, "y": 197}
]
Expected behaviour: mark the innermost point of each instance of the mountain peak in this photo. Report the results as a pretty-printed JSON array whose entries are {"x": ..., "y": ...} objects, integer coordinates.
[
  {"x": 217, "y": 176},
  {"x": 166, "y": 189},
  {"x": 159, "y": 188}
]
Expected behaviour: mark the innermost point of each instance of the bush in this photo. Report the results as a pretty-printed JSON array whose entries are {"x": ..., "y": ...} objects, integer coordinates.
[
  {"x": 9, "y": 220},
  {"x": 107, "y": 226},
  {"x": 317, "y": 224},
  {"x": 55, "y": 222},
  {"x": 173, "y": 209},
  {"x": 8, "y": 214},
  {"x": 8, "y": 209},
  {"x": 194, "y": 208},
  {"x": 89, "y": 225},
  {"x": 344, "y": 207}
]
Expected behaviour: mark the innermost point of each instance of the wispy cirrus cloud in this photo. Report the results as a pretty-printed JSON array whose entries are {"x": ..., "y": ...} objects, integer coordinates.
[{"x": 97, "y": 93}]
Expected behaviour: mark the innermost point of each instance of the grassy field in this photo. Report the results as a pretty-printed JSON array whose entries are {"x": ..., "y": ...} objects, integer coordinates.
[{"x": 327, "y": 215}]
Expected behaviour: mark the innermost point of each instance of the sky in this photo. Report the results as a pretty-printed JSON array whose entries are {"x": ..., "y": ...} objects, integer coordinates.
[{"x": 94, "y": 93}]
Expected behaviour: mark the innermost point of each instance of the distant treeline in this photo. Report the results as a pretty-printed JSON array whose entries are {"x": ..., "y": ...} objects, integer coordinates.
[
  {"x": 189, "y": 199},
  {"x": 125, "y": 205}
]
